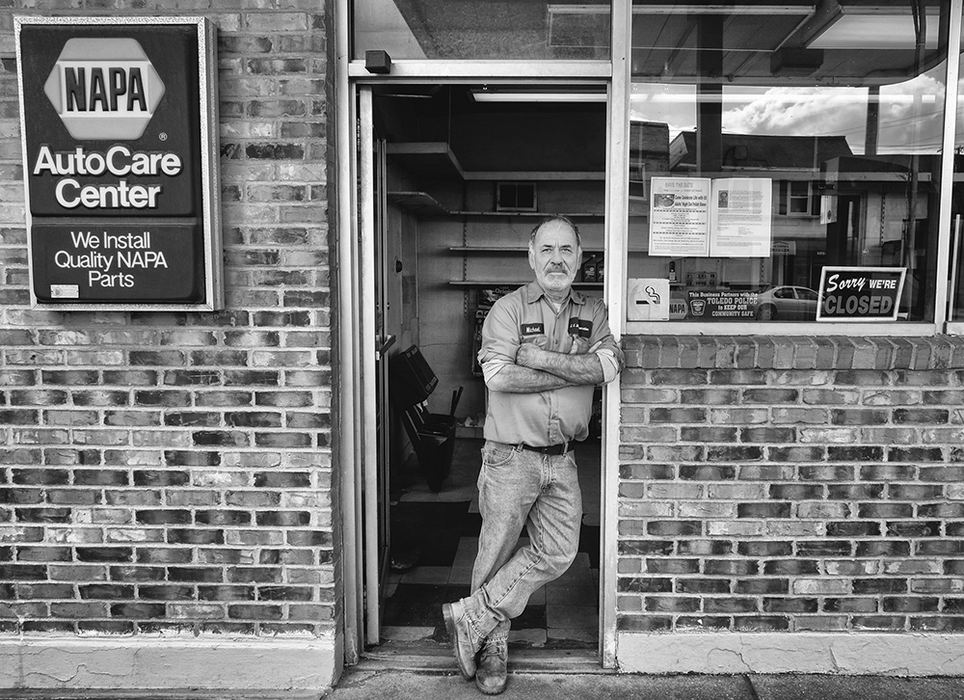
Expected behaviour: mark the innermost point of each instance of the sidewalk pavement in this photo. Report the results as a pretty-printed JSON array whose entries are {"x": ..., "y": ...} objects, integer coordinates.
[
  {"x": 382, "y": 683},
  {"x": 366, "y": 684}
]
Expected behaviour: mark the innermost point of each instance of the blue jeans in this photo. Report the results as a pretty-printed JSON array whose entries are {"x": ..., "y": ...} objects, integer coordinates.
[{"x": 519, "y": 487}]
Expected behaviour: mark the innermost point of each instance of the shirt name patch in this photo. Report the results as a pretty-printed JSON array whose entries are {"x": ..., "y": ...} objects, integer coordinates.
[
  {"x": 531, "y": 329},
  {"x": 580, "y": 327}
]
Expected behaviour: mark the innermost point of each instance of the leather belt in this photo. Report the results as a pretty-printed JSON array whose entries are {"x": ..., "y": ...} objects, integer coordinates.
[{"x": 548, "y": 450}]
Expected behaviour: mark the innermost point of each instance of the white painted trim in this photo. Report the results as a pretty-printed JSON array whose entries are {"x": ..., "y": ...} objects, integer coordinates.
[
  {"x": 955, "y": 328},
  {"x": 211, "y": 167},
  {"x": 845, "y": 653},
  {"x": 272, "y": 665},
  {"x": 617, "y": 214},
  {"x": 955, "y": 250},
  {"x": 348, "y": 489},
  {"x": 947, "y": 164},
  {"x": 360, "y": 235},
  {"x": 896, "y": 329},
  {"x": 354, "y": 330},
  {"x": 367, "y": 424},
  {"x": 518, "y": 70}
]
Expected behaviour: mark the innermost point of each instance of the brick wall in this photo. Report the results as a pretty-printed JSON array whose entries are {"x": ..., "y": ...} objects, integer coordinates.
[
  {"x": 172, "y": 471},
  {"x": 791, "y": 484}
]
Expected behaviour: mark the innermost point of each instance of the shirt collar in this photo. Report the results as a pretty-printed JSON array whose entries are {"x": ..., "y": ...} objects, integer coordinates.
[{"x": 534, "y": 293}]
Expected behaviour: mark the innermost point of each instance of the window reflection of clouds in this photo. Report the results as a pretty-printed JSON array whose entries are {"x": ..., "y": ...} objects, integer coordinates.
[
  {"x": 674, "y": 105},
  {"x": 911, "y": 112}
]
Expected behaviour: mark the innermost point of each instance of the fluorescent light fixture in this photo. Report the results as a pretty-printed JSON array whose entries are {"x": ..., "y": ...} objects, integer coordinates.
[
  {"x": 531, "y": 96},
  {"x": 875, "y": 30}
]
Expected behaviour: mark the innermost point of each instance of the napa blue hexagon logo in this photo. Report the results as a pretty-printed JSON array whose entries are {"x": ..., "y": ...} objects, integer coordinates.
[{"x": 104, "y": 89}]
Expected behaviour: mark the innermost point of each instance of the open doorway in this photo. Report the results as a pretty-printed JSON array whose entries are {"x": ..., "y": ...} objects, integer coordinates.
[{"x": 462, "y": 174}]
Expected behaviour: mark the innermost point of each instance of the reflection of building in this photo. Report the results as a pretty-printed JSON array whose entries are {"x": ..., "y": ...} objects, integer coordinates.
[
  {"x": 829, "y": 206},
  {"x": 789, "y": 155},
  {"x": 648, "y": 154},
  {"x": 799, "y": 233},
  {"x": 872, "y": 198}
]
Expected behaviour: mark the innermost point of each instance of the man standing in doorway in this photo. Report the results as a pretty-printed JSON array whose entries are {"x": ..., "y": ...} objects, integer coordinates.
[{"x": 544, "y": 348}]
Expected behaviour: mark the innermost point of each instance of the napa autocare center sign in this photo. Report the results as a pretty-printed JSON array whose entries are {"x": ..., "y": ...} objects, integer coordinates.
[
  {"x": 860, "y": 293},
  {"x": 119, "y": 137}
]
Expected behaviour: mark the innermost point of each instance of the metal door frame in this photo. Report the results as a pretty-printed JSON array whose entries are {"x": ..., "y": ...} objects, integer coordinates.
[
  {"x": 355, "y": 244},
  {"x": 349, "y": 75}
]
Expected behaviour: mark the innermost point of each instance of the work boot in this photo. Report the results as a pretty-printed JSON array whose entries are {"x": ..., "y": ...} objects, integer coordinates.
[
  {"x": 490, "y": 676},
  {"x": 465, "y": 644}
]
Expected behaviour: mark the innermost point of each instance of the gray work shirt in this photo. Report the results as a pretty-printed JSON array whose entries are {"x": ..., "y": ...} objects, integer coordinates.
[{"x": 546, "y": 417}]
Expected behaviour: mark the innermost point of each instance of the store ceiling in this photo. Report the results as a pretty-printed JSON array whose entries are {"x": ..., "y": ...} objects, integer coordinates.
[{"x": 492, "y": 136}]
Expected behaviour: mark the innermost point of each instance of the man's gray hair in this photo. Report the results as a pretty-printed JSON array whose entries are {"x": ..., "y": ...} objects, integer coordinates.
[{"x": 561, "y": 219}]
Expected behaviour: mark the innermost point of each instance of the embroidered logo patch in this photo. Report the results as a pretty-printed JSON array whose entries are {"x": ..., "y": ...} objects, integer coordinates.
[
  {"x": 532, "y": 329},
  {"x": 580, "y": 327}
]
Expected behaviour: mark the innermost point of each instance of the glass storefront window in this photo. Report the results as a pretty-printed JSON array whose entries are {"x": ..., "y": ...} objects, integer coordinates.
[
  {"x": 769, "y": 142},
  {"x": 469, "y": 29}
]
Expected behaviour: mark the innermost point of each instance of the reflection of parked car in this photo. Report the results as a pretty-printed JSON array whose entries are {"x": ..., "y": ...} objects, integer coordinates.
[{"x": 787, "y": 303}]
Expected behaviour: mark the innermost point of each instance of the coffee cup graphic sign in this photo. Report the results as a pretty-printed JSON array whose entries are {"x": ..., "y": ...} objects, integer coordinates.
[
  {"x": 104, "y": 88},
  {"x": 120, "y": 147}
]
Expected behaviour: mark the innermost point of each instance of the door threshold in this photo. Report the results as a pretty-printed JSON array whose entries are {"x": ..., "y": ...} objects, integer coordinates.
[{"x": 439, "y": 660}]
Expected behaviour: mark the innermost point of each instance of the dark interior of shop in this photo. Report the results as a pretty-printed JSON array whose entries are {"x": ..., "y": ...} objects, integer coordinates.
[{"x": 465, "y": 179}]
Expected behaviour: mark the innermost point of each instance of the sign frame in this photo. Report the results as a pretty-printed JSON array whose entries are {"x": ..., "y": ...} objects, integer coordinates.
[
  {"x": 858, "y": 268},
  {"x": 209, "y": 174}
]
